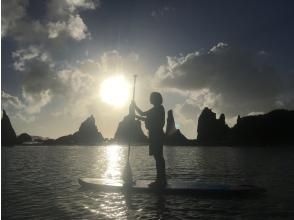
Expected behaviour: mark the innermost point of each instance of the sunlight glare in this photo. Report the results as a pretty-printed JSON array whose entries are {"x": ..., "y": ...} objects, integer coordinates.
[
  {"x": 113, "y": 153},
  {"x": 115, "y": 91}
]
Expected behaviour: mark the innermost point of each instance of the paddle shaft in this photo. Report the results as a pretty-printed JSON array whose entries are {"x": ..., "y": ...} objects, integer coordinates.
[
  {"x": 134, "y": 90},
  {"x": 128, "y": 177}
]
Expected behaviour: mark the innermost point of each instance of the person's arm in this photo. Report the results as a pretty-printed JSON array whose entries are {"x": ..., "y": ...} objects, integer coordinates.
[
  {"x": 142, "y": 113},
  {"x": 140, "y": 118},
  {"x": 162, "y": 121}
]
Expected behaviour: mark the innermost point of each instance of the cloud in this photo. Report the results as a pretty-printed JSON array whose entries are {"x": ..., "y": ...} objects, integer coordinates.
[
  {"x": 65, "y": 20},
  {"x": 74, "y": 27},
  {"x": 54, "y": 29},
  {"x": 30, "y": 103},
  {"x": 185, "y": 118},
  {"x": 43, "y": 82},
  {"x": 13, "y": 11},
  {"x": 62, "y": 8},
  {"x": 10, "y": 101},
  {"x": 77, "y": 81},
  {"x": 36, "y": 67},
  {"x": 187, "y": 113},
  {"x": 230, "y": 75},
  {"x": 39, "y": 79},
  {"x": 62, "y": 19},
  {"x": 112, "y": 62},
  {"x": 22, "y": 56},
  {"x": 17, "y": 24},
  {"x": 15, "y": 107},
  {"x": 36, "y": 101}
]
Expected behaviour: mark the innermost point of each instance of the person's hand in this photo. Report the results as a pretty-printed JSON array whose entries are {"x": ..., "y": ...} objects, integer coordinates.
[
  {"x": 132, "y": 108},
  {"x": 140, "y": 118},
  {"x": 132, "y": 105}
]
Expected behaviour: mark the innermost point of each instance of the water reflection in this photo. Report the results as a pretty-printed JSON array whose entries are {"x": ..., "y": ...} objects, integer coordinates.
[
  {"x": 105, "y": 205},
  {"x": 49, "y": 187},
  {"x": 114, "y": 156}
]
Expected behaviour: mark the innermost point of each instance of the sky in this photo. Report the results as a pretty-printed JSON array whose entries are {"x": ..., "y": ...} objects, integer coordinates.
[{"x": 233, "y": 56}]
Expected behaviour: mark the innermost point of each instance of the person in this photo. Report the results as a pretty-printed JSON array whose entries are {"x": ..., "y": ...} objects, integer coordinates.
[{"x": 154, "y": 120}]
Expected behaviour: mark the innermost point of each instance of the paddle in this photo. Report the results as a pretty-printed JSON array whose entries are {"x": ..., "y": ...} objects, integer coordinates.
[{"x": 127, "y": 175}]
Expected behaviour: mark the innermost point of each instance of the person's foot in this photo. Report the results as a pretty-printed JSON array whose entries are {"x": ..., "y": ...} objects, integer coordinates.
[
  {"x": 128, "y": 184},
  {"x": 158, "y": 184}
]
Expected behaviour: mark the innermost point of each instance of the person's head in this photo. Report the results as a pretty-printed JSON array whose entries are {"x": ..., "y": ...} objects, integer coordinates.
[{"x": 155, "y": 98}]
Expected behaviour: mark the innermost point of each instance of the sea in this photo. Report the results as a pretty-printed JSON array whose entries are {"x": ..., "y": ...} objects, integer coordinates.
[{"x": 41, "y": 182}]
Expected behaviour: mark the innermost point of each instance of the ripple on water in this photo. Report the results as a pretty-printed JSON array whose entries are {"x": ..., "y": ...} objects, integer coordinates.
[{"x": 41, "y": 183}]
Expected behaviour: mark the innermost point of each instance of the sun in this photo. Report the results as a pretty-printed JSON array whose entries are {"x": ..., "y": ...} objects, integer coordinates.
[{"x": 115, "y": 91}]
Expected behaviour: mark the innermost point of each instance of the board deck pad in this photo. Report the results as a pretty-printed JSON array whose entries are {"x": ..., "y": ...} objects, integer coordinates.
[{"x": 173, "y": 186}]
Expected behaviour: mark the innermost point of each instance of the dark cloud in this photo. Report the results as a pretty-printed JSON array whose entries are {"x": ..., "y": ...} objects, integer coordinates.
[
  {"x": 236, "y": 76},
  {"x": 62, "y": 20},
  {"x": 13, "y": 12},
  {"x": 40, "y": 44},
  {"x": 37, "y": 70}
]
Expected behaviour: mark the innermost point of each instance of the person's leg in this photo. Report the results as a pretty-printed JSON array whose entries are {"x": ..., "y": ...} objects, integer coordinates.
[{"x": 160, "y": 168}]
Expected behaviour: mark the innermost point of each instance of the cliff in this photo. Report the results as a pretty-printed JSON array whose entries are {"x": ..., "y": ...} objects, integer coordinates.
[
  {"x": 8, "y": 135},
  {"x": 87, "y": 134},
  {"x": 173, "y": 136},
  {"x": 212, "y": 131},
  {"x": 130, "y": 130},
  {"x": 273, "y": 128}
]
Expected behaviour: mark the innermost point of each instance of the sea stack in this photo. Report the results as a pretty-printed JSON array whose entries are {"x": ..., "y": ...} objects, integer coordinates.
[
  {"x": 129, "y": 130},
  {"x": 87, "y": 134},
  {"x": 211, "y": 130},
  {"x": 7, "y": 132},
  {"x": 174, "y": 136}
]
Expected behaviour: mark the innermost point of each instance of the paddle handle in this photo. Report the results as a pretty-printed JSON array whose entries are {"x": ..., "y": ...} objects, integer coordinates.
[{"x": 134, "y": 88}]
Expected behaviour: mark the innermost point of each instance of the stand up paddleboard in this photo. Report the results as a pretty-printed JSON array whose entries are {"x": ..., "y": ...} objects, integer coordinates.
[{"x": 173, "y": 187}]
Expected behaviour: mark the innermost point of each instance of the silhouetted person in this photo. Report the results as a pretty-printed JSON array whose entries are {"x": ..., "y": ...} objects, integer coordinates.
[{"x": 154, "y": 120}]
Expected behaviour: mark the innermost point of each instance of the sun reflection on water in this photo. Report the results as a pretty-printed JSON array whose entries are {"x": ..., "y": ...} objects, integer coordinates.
[
  {"x": 109, "y": 205},
  {"x": 114, "y": 158}
]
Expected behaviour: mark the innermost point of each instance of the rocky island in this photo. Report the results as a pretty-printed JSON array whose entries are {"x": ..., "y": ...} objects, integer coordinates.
[
  {"x": 87, "y": 134},
  {"x": 130, "y": 130},
  {"x": 212, "y": 131},
  {"x": 174, "y": 136},
  {"x": 8, "y": 135},
  {"x": 273, "y": 128}
]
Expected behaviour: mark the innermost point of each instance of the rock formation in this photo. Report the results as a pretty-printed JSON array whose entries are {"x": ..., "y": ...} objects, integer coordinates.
[
  {"x": 130, "y": 130},
  {"x": 173, "y": 136},
  {"x": 86, "y": 135},
  {"x": 273, "y": 128},
  {"x": 24, "y": 137},
  {"x": 8, "y": 135},
  {"x": 212, "y": 130}
]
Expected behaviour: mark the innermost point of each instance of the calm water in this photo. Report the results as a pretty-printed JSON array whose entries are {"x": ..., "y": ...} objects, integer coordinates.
[{"x": 41, "y": 183}]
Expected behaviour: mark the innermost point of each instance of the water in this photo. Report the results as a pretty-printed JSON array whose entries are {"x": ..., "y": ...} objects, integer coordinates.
[{"x": 40, "y": 182}]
